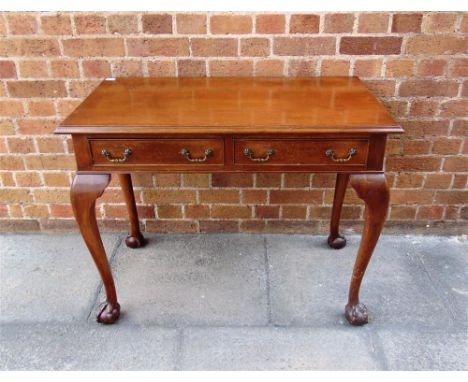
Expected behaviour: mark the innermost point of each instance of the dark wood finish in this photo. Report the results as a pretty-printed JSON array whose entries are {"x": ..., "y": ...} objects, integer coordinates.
[
  {"x": 373, "y": 189},
  {"x": 135, "y": 239},
  {"x": 84, "y": 192},
  {"x": 335, "y": 240},
  {"x": 328, "y": 124}
]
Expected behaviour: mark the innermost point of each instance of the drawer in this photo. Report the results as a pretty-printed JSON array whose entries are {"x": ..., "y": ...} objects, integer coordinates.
[
  {"x": 191, "y": 152},
  {"x": 301, "y": 152}
]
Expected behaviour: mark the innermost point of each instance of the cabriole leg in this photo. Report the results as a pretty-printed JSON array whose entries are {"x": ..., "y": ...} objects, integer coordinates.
[
  {"x": 373, "y": 190},
  {"x": 135, "y": 239},
  {"x": 86, "y": 188},
  {"x": 335, "y": 240}
]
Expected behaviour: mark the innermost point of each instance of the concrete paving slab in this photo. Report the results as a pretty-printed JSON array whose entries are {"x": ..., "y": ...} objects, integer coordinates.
[
  {"x": 86, "y": 347},
  {"x": 47, "y": 277},
  {"x": 309, "y": 283},
  {"x": 277, "y": 349},
  {"x": 428, "y": 350},
  {"x": 446, "y": 262},
  {"x": 181, "y": 280}
]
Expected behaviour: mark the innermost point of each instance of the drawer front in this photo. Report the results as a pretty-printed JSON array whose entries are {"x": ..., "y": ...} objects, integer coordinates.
[
  {"x": 295, "y": 152},
  {"x": 127, "y": 152}
]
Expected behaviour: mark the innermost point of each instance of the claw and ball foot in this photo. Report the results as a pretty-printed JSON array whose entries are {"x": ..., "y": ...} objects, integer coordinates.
[
  {"x": 336, "y": 242},
  {"x": 356, "y": 314},
  {"x": 108, "y": 313}
]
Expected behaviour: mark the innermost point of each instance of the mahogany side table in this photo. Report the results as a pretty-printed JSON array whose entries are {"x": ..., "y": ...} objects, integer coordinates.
[{"x": 326, "y": 124}]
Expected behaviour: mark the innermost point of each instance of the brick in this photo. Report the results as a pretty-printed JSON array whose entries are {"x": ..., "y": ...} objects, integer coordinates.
[
  {"x": 28, "y": 89},
  {"x": 254, "y": 196},
  {"x": 50, "y": 162},
  {"x": 459, "y": 181},
  {"x": 191, "y": 68},
  {"x": 323, "y": 180},
  {"x": 411, "y": 196},
  {"x": 373, "y": 22},
  {"x": 399, "y": 68},
  {"x": 61, "y": 211},
  {"x": 464, "y": 24},
  {"x": 230, "y": 68},
  {"x": 458, "y": 67},
  {"x": 437, "y": 181},
  {"x": 169, "y": 196},
  {"x": 11, "y": 108},
  {"x": 6, "y": 127},
  {"x": 14, "y": 195},
  {"x": 432, "y": 67},
  {"x": 424, "y": 108},
  {"x": 20, "y": 145},
  {"x": 432, "y": 44},
  {"x": 295, "y": 196},
  {"x": 197, "y": 211},
  {"x": 168, "y": 180},
  {"x": 290, "y": 226},
  {"x": 255, "y": 47},
  {"x": 296, "y": 180},
  {"x": 439, "y": 22},
  {"x": 219, "y": 196},
  {"x": 20, "y": 24},
  {"x": 50, "y": 145},
  {"x": 428, "y": 88},
  {"x": 196, "y": 180},
  {"x": 367, "y": 68},
  {"x": 334, "y": 68},
  {"x": 252, "y": 226},
  {"x": 370, "y": 45},
  {"x": 96, "y": 68},
  {"x": 425, "y": 128},
  {"x": 407, "y": 22},
  {"x": 36, "y": 126},
  {"x": 56, "y": 179},
  {"x": 157, "y": 24},
  {"x": 28, "y": 179},
  {"x": 267, "y": 212},
  {"x": 304, "y": 46},
  {"x": 218, "y": 226},
  {"x": 454, "y": 108},
  {"x": 302, "y": 68},
  {"x": 170, "y": 47},
  {"x": 59, "y": 24},
  {"x": 128, "y": 68},
  {"x": 171, "y": 226},
  {"x": 122, "y": 24},
  {"x": 381, "y": 88},
  {"x": 451, "y": 197},
  {"x": 270, "y": 24},
  {"x": 230, "y": 212},
  {"x": 409, "y": 181},
  {"x": 29, "y": 47},
  {"x": 456, "y": 164},
  {"x": 430, "y": 212},
  {"x": 36, "y": 211},
  {"x": 293, "y": 212},
  {"x": 191, "y": 24},
  {"x": 10, "y": 162},
  {"x": 447, "y": 146},
  {"x": 170, "y": 212},
  {"x": 339, "y": 23},
  {"x": 217, "y": 47},
  {"x": 413, "y": 164},
  {"x": 304, "y": 24},
  {"x": 416, "y": 147},
  {"x": 33, "y": 69},
  {"x": 269, "y": 68},
  {"x": 65, "y": 69},
  {"x": 90, "y": 24},
  {"x": 162, "y": 68},
  {"x": 51, "y": 196},
  {"x": 231, "y": 180},
  {"x": 231, "y": 24},
  {"x": 80, "y": 47},
  {"x": 7, "y": 180},
  {"x": 268, "y": 180},
  {"x": 79, "y": 88},
  {"x": 7, "y": 69}
]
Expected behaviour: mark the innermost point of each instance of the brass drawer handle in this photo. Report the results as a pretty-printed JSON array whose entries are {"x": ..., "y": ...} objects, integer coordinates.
[
  {"x": 249, "y": 154},
  {"x": 331, "y": 154},
  {"x": 127, "y": 152},
  {"x": 186, "y": 153}
]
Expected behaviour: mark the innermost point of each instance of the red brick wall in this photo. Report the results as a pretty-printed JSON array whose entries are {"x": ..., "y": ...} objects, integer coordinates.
[{"x": 416, "y": 63}]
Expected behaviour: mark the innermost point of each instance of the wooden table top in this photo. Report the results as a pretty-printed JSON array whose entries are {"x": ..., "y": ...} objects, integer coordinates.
[{"x": 230, "y": 105}]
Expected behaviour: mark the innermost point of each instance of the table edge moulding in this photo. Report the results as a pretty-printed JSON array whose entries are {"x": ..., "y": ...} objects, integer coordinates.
[{"x": 209, "y": 125}]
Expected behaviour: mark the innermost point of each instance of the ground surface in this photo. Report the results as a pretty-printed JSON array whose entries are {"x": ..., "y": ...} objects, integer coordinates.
[{"x": 233, "y": 302}]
